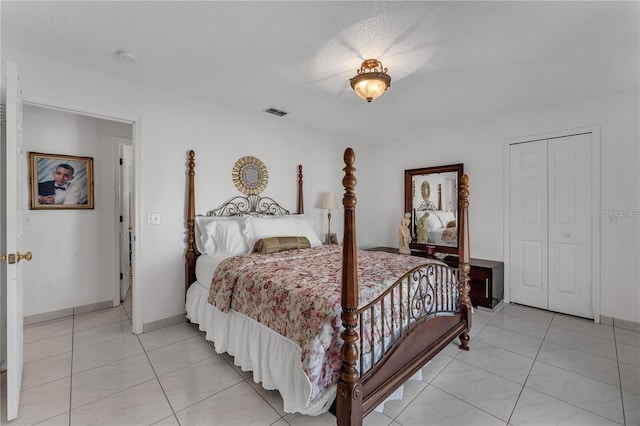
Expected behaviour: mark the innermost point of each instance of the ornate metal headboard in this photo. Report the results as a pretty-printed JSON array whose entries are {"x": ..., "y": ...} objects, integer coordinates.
[
  {"x": 252, "y": 204},
  {"x": 427, "y": 205}
]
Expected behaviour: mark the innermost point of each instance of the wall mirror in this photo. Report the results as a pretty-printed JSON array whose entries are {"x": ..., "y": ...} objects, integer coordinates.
[
  {"x": 431, "y": 195},
  {"x": 250, "y": 175}
]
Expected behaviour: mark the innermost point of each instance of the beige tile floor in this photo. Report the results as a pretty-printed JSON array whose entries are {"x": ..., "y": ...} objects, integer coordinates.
[{"x": 526, "y": 366}]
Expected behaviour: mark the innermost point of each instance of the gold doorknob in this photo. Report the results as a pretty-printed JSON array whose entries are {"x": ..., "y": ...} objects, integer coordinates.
[
  {"x": 27, "y": 256},
  {"x": 15, "y": 258}
]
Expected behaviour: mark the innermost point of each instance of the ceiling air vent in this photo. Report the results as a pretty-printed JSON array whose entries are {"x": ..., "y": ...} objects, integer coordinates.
[{"x": 275, "y": 111}]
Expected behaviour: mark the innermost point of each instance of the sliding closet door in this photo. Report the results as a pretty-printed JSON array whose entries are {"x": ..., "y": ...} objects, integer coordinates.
[
  {"x": 569, "y": 167},
  {"x": 528, "y": 224}
]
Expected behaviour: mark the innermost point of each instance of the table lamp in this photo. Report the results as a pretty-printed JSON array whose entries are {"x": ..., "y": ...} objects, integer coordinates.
[{"x": 329, "y": 203}]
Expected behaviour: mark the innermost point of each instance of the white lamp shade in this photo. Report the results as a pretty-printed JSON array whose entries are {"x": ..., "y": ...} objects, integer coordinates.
[{"x": 329, "y": 201}]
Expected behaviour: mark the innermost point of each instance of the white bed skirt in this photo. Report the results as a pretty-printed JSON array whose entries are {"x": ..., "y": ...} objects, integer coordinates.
[{"x": 273, "y": 359}]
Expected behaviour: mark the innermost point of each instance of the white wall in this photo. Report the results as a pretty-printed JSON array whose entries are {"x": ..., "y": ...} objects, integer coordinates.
[
  {"x": 73, "y": 250},
  {"x": 167, "y": 125},
  {"x": 480, "y": 147}
]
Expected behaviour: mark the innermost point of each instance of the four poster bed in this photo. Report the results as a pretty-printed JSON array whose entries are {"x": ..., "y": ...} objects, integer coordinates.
[{"x": 365, "y": 320}]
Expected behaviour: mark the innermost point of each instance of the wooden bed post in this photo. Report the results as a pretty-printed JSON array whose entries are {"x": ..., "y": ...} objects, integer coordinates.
[
  {"x": 349, "y": 408},
  {"x": 464, "y": 256},
  {"x": 300, "y": 192},
  {"x": 190, "y": 262}
]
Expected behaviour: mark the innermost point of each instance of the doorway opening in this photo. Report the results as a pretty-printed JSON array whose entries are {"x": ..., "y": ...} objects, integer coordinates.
[{"x": 86, "y": 273}]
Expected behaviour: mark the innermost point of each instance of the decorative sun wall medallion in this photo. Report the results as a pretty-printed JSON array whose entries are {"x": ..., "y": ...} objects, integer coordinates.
[{"x": 250, "y": 175}]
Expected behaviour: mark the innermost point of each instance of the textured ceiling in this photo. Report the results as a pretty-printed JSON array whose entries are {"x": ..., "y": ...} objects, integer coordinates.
[{"x": 450, "y": 62}]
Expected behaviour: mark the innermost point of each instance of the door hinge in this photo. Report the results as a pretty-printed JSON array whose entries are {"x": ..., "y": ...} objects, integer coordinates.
[
  {"x": 120, "y": 219},
  {"x": 121, "y": 276},
  {"x": 121, "y": 162}
]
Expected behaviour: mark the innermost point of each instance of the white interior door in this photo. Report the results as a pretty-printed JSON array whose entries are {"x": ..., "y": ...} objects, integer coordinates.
[
  {"x": 528, "y": 223},
  {"x": 125, "y": 189},
  {"x": 569, "y": 166},
  {"x": 14, "y": 165}
]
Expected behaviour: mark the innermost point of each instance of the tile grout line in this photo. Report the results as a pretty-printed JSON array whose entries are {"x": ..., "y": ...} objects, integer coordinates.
[
  {"x": 500, "y": 347},
  {"x": 466, "y": 402},
  {"x": 158, "y": 379},
  {"x": 513, "y": 410},
  {"x": 460, "y": 399},
  {"x": 547, "y": 363},
  {"x": 394, "y": 419},
  {"x": 197, "y": 402},
  {"x": 484, "y": 326},
  {"x": 573, "y": 372},
  {"x": 243, "y": 379},
  {"x": 100, "y": 366},
  {"x": 106, "y": 323},
  {"x": 615, "y": 342},
  {"x": 73, "y": 322}
]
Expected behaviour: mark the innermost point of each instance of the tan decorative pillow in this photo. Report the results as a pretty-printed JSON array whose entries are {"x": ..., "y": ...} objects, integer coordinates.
[
  {"x": 451, "y": 224},
  {"x": 277, "y": 244}
]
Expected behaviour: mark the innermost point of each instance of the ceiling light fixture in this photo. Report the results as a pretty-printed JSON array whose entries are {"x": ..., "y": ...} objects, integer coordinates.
[{"x": 371, "y": 81}]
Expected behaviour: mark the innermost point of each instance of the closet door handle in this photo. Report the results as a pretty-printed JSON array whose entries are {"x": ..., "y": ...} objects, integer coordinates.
[
  {"x": 566, "y": 235},
  {"x": 486, "y": 288}
]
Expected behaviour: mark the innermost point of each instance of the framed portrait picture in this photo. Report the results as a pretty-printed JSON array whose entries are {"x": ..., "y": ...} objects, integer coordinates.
[{"x": 60, "y": 181}]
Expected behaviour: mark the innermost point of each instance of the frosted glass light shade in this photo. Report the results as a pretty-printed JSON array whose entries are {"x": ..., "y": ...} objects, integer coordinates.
[
  {"x": 370, "y": 88},
  {"x": 372, "y": 80}
]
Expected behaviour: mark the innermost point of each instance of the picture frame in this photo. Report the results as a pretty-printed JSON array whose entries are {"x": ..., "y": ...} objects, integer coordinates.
[
  {"x": 60, "y": 182},
  {"x": 332, "y": 238}
]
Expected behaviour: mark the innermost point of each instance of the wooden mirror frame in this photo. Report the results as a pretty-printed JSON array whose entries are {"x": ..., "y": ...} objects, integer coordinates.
[{"x": 408, "y": 203}]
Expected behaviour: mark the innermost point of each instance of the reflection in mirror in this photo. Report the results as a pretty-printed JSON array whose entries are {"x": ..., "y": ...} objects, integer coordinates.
[
  {"x": 434, "y": 212},
  {"x": 431, "y": 196},
  {"x": 251, "y": 175}
]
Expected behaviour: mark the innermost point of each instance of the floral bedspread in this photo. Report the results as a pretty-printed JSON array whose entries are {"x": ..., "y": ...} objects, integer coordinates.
[
  {"x": 297, "y": 293},
  {"x": 450, "y": 234}
]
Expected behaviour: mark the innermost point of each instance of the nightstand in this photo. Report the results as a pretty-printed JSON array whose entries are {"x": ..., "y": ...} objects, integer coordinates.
[{"x": 486, "y": 279}]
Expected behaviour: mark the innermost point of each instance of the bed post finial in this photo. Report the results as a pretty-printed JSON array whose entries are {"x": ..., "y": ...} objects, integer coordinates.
[
  {"x": 300, "y": 191},
  {"x": 464, "y": 256},
  {"x": 191, "y": 255},
  {"x": 349, "y": 410}
]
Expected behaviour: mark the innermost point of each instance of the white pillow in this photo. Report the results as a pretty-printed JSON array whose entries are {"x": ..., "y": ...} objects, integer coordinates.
[
  {"x": 445, "y": 217},
  {"x": 432, "y": 222},
  {"x": 201, "y": 235},
  {"x": 200, "y": 232},
  {"x": 227, "y": 237},
  {"x": 282, "y": 226}
]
